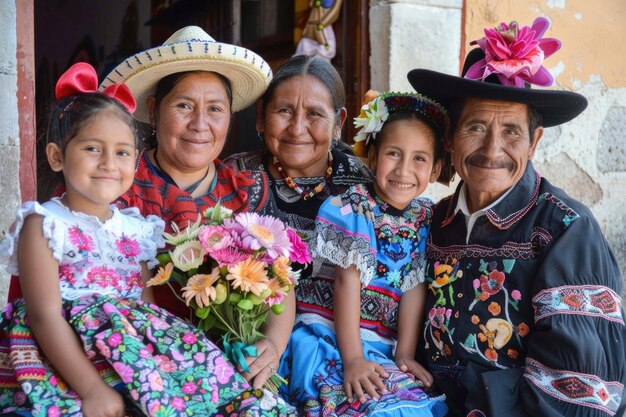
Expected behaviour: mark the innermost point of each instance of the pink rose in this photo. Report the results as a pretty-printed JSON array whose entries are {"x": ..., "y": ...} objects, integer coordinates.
[
  {"x": 54, "y": 411},
  {"x": 178, "y": 404},
  {"x": 115, "y": 339},
  {"x": 223, "y": 370},
  {"x": 156, "y": 383},
  {"x": 214, "y": 238},
  {"x": 189, "y": 338},
  {"x": 189, "y": 388},
  {"x": 124, "y": 371}
]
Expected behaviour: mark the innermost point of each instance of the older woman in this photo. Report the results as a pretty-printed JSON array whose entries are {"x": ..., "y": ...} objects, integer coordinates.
[
  {"x": 301, "y": 120},
  {"x": 187, "y": 90}
]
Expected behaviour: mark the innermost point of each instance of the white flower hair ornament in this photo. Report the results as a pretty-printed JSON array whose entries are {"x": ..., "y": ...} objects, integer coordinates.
[{"x": 376, "y": 112}]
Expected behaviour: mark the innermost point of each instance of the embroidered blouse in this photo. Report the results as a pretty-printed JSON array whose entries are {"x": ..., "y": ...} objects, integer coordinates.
[
  {"x": 387, "y": 246},
  {"x": 525, "y": 318},
  {"x": 94, "y": 256}
]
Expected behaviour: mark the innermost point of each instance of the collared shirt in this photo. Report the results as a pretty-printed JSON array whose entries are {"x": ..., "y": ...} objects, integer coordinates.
[
  {"x": 523, "y": 318},
  {"x": 470, "y": 218}
]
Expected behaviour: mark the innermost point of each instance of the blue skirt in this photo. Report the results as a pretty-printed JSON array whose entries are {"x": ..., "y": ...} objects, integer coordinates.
[{"x": 312, "y": 365}]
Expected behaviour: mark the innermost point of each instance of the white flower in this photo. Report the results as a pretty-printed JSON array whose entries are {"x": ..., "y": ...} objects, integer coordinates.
[
  {"x": 371, "y": 119},
  {"x": 190, "y": 232},
  {"x": 188, "y": 255}
]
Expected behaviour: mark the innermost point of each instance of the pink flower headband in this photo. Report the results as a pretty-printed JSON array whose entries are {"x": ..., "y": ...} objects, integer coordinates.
[
  {"x": 515, "y": 55},
  {"x": 81, "y": 78}
]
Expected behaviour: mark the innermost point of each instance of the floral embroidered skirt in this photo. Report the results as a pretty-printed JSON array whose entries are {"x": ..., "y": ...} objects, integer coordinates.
[
  {"x": 312, "y": 364},
  {"x": 161, "y": 365}
]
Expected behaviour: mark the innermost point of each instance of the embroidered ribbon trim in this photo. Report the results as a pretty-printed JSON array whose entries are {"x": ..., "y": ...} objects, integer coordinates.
[
  {"x": 588, "y": 300},
  {"x": 580, "y": 389}
]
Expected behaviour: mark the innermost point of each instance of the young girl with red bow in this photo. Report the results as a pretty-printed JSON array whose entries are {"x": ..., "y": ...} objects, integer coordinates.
[{"x": 84, "y": 339}]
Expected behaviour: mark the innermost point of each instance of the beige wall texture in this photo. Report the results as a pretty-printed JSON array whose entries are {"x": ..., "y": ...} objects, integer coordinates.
[{"x": 587, "y": 156}]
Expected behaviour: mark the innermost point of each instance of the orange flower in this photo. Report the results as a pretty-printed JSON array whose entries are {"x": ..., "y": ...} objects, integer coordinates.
[
  {"x": 249, "y": 275},
  {"x": 162, "y": 276},
  {"x": 437, "y": 334},
  {"x": 446, "y": 350},
  {"x": 475, "y": 319},
  {"x": 491, "y": 354},
  {"x": 513, "y": 354},
  {"x": 523, "y": 329},
  {"x": 482, "y": 337},
  {"x": 494, "y": 308},
  {"x": 281, "y": 271},
  {"x": 200, "y": 287},
  {"x": 483, "y": 296}
]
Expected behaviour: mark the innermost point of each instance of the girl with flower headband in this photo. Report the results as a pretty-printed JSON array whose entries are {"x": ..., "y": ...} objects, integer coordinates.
[
  {"x": 355, "y": 355},
  {"x": 82, "y": 265}
]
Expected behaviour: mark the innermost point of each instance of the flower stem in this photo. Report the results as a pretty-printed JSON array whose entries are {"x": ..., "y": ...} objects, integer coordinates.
[{"x": 225, "y": 322}]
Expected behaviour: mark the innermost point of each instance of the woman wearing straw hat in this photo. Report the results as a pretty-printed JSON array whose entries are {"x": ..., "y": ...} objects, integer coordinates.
[{"x": 187, "y": 90}]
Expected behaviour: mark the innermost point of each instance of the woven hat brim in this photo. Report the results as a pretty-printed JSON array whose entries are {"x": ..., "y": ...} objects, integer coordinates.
[
  {"x": 554, "y": 106},
  {"x": 248, "y": 73}
]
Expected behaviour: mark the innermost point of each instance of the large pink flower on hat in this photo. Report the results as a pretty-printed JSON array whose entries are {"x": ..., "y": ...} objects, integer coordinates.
[{"x": 515, "y": 55}]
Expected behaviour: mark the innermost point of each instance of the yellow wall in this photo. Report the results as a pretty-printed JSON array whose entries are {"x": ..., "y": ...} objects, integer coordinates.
[{"x": 593, "y": 34}]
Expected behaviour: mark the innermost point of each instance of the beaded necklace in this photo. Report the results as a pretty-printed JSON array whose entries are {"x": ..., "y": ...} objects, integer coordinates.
[{"x": 306, "y": 194}]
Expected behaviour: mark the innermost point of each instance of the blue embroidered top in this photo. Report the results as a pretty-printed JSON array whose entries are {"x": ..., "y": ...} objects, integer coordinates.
[
  {"x": 525, "y": 318},
  {"x": 385, "y": 244}
]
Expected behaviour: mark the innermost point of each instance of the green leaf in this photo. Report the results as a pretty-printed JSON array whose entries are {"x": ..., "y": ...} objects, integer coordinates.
[
  {"x": 245, "y": 304},
  {"x": 246, "y": 327},
  {"x": 164, "y": 258},
  {"x": 202, "y": 312},
  {"x": 206, "y": 323},
  {"x": 256, "y": 300},
  {"x": 234, "y": 297}
]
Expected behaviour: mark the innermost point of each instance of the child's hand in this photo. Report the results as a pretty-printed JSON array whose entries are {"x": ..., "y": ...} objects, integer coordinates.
[
  {"x": 412, "y": 366},
  {"x": 103, "y": 401},
  {"x": 362, "y": 376}
]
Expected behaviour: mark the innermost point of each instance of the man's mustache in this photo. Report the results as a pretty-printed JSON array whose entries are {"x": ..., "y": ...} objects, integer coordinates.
[{"x": 483, "y": 161}]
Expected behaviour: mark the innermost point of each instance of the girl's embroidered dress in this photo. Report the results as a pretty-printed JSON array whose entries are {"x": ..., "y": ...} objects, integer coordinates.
[
  {"x": 387, "y": 246},
  {"x": 162, "y": 365}
]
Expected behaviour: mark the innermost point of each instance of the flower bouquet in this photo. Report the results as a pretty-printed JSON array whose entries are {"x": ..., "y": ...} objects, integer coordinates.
[{"x": 234, "y": 271}]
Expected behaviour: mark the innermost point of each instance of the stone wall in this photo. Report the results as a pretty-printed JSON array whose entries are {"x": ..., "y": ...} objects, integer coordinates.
[
  {"x": 9, "y": 130},
  {"x": 587, "y": 156}
]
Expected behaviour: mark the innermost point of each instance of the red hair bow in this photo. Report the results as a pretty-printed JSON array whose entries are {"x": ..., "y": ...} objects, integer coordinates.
[{"x": 81, "y": 78}]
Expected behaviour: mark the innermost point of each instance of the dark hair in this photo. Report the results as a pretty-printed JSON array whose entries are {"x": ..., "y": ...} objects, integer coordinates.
[
  {"x": 313, "y": 66},
  {"x": 66, "y": 118},
  {"x": 166, "y": 85},
  {"x": 70, "y": 114},
  {"x": 456, "y": 108},
  {"x": 410, "y": 115}
]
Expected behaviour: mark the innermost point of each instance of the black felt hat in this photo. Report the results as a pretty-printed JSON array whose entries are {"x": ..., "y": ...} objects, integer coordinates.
[{"x": 555, "y": 107}]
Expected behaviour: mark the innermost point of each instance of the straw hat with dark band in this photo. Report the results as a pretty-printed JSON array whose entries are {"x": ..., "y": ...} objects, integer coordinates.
[{"x": 192, "y": 49}]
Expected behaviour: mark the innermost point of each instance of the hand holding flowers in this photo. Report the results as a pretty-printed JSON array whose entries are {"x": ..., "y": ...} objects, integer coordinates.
[{"x": 233, "y": 269}]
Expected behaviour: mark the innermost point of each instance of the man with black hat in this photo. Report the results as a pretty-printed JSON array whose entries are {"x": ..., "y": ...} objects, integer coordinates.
[{"x": 524, "y": 314}]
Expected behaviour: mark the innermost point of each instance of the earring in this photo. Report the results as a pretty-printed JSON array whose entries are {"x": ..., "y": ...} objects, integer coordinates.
[{"x": 260, "y": 136}]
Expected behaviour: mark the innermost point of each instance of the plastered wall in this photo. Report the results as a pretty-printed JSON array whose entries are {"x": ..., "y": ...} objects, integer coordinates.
[
  {"x": 9, "y": 131},
  {"x": 586, "y": 157}
]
